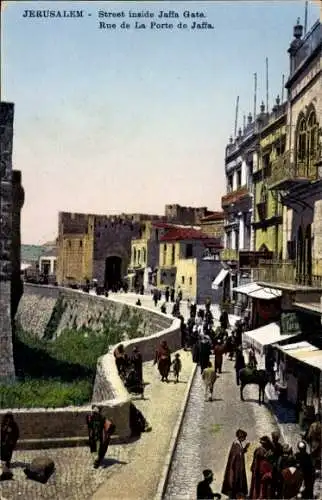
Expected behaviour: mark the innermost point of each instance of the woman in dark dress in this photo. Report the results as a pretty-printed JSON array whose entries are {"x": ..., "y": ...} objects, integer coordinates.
[{"x": 9, "y": 438}]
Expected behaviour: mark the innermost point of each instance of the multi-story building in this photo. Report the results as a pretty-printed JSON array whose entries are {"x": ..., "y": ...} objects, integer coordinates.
[
  {"x": 267, "y": 209},
  {"x": 189, "y": 259},
  {"x": 240, "y": 161},
  {"x": 296, "y": 181},
  {"x": 296, "y": 175},
  {"x": 145, "y": 255},
  {"x": 213, "y": 225}
]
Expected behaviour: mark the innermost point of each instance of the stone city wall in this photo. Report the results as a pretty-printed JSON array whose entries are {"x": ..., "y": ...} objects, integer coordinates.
[
  {"x": 49, "y": 310},
  {"x": 109, "y": 392}
]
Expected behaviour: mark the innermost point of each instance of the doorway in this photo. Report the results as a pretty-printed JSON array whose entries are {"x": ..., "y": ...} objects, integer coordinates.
[{"x": 113, "y": 268}]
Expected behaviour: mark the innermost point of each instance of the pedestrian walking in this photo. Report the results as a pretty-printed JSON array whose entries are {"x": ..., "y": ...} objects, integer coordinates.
[
  {"x": 167, "y": 294},
  {"x": 204, "y": 351},
  {"x": 252, "y": 361},
  {"x": 219, "y": 355},
  {"x": 239, "y": 363},
  {"x": 209, "y": 378},
  {"x": 172, "y": 294},
  {"x": 177, "y": 367},
  {"x": 163, "y": 358},
  {"x": 9, "y": 438},
  {"x": 155, "y": 297},
  {"x": 204, "y": 491},
  {"x": 100, "y": 430},
  {"x": 235, "y": 479}
]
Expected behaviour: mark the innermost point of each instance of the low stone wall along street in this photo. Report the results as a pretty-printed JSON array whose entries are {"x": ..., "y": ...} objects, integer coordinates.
[{"x": 64, "y": 308}]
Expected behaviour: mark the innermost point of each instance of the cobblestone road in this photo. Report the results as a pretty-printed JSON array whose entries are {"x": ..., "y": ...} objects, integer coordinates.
[{"x": 208, "y": 430}]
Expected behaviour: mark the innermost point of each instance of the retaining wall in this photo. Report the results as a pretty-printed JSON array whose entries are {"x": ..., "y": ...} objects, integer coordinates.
[{"x": 109, "y": 392}]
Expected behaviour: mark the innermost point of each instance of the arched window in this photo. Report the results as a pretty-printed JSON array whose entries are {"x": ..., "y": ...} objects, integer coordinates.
[
  {"x": 301, "y": 143},
  {"x": 312, "y": 136},
  {"x": 134, "y": 256}
]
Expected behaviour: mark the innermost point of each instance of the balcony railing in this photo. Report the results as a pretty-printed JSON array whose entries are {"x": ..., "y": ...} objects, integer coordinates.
[
  {"x": 234, "y": 196},
  {"x": 284, "y": 273},
  {"x": 229, "y": 254},
  {"x": 285, "y": 170},
  {"x": 309, "y": 45}
]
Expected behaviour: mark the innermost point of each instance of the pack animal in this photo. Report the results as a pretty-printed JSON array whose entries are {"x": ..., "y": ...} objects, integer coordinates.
[{"x": 249, "y": 376}]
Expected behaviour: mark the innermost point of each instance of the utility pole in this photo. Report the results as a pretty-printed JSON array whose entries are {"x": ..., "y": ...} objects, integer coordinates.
[
  {"x": 236, "y": 115},
  {"x": 283, "y": 85},
  {"x": 255, "y": 95},
  {"x": 267, "y": 110},
  {"x": 305, "y": 17}
]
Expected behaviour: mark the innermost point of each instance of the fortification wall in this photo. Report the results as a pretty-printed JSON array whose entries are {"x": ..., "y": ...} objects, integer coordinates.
[
  {"x": 40, "y": 424},
  {"x": 48, "y": 310}
]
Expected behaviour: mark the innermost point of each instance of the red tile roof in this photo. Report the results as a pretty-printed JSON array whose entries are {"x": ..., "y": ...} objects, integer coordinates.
[
  {"x": 163, "y": 225},
  {"x": 214, "y": 216},
  {"x": 182, "y": 233}
]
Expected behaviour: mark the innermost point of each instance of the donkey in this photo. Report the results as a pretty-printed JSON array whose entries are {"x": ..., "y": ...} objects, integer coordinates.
[{"x": 249, "y": 376}]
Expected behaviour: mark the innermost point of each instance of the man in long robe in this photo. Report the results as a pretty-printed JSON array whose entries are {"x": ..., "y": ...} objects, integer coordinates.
[
  {"x": 260, "y": 468},
  {"x": 163, "y": 358},
  {"x": 100, "y": 430},
  {"x": 235, "y": 479}
]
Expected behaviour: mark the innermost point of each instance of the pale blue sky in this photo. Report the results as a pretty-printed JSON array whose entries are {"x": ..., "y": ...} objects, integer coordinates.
[{"x": 131, "y": 120}]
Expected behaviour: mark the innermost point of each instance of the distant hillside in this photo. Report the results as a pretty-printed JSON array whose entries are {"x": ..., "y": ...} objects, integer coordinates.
[{"x": 31, "y": 253}]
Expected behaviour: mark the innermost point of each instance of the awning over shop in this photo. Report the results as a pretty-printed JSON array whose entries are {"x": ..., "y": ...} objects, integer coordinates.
[
  {"x": 256, "y": 291},
  {"x": 304, "y": 352},
  {"x": 219, "y": 279},
  {"x": 264, "y": 336}
]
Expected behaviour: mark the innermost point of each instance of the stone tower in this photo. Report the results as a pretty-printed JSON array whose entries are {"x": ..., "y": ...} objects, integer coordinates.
[{"x": 7, "y": 369}]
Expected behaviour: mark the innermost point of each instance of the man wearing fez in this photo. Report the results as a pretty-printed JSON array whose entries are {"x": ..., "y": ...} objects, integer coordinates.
[{"x": 100, "y": 430}]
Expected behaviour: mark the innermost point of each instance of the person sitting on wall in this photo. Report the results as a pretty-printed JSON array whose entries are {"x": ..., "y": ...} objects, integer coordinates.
[
  {"x": 138, "y": 303},
  {"x": 138, "y": 423},
  {"x": 121, "y": 360},
  {"x": 100, "y": 430}
]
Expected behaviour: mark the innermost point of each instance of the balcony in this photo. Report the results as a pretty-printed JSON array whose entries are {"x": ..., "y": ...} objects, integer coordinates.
[
  {"x": 235, "y": 196},
  {"x": 309, "y": 46},
  {"x": 283, "y": 275},
  {"x": 229, "y": 254},
  {"x": 286, "y": 174}
]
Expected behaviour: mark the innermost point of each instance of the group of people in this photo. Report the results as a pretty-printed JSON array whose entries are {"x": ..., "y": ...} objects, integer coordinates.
[
  {"x": 276, "y": 472},
  {"x": 130, "y": 369}
]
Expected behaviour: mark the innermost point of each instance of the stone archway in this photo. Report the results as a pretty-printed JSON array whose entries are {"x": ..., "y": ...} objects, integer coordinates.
[{"x": 113, "y": 273}]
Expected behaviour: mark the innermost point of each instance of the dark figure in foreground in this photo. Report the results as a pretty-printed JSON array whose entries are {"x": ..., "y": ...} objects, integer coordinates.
[
  {"x": 138, "y": 423},
  {"x": 305, "y": 463},
  {"x": 9, "y": 438},
  {"x": 100, "y": 430},
  {"x": 204, "y": 491},
  {"x": 235, "y": 479},
  {"x": 249, "y": 376},
  {"x": 177, "y": 366}
]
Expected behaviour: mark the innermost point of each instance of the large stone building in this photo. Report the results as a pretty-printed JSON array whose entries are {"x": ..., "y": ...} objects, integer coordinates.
[
  {"x": 11, "y": 202},
  {"x": 267, "y": 210},
  {"x": 98, "y": 247}
]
